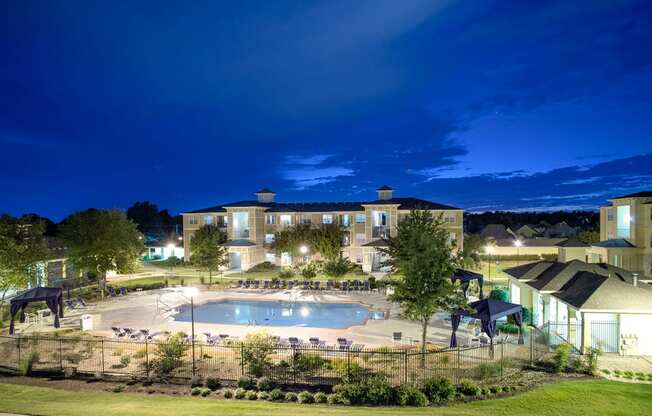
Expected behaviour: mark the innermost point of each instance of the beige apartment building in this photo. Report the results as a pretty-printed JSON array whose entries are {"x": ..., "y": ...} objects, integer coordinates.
[
  {"x": 626, "y": 234},
  {"x": 251, "y": 225}
]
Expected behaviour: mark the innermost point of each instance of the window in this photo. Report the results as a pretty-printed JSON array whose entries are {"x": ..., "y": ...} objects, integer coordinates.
[
  {"x": 360, "y": 237},
  {"x": 327, "y": 218},
  {"x": 269, "y": 238},
  {"x": 617, "y": 260},
  {"x": 346, "y": 240},
  {"x": 610, "y": 214},
  {"x": 221, "y": 220},
  {"x": 208, "y": 219},
  {"x": 449, "y": 218},
  {"x": 192, "y": 220},
  {"x": 306, "y": 220},
  {"x": 240, "y": 225},
  {"x": 285, "y": 220},
  {"x": 379, "y": 218},
  {"x": 515, "y": 294},
  {"x": 270, "y": 219},
  {"x": 360, "y": 218},
  {"x": 623, "y": 221},
  {"x": 345, "y": 220}
]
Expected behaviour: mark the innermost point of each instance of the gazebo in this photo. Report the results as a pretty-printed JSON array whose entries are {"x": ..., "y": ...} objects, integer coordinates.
[
  {"x": 52, "y": 296},
  {"x": 465, "y": 277},
  {"x": 488, "y": 311}
]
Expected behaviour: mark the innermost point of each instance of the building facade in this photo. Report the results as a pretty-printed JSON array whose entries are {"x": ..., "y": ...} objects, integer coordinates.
[
  {"x": 626, "y": 234},
  {"x": 251, "y": 225}
]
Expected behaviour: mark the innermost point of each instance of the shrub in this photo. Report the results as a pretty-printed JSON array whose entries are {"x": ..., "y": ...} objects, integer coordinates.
[
  {"x": 239, "y": 393},
  {"x": 228, "y": 393},
  {"x": 337, "y": 398},
  {"x": 495, "y": 389},
  {"x": 119, "y": 388},
  {"x": 251, "y": 395},
  {"x": 561, "y": 357},
  {"x": 338, "y": 267},
  {"x": 196, "y": 381},
  {"x": 265, "y": 266},
  {"x": 617, "y": 372},
  {"x": 286, "y": 273},
  {"x": 195, "y": 391},
  {"x": 305, "y": 397},
  {"x": 290, "y": 397},
  {"x": 506, "y": 389},
  {"x": 411, "y": 396},
  {"x": 320, "y": 397},
  {"x": 486, "y": 371},
  {"x": 589, "y": 362},
  {"x": 125, "y": 360},
  {"x": 256, "y": 351},
  {"x": 265, "y": 384},
  {"x": 499, "y": 294},
  {"x": 72, "y": 357},
  {"x": 246, "y": 383},
  {"x": 27, "y": 364},
  {"x": 263, "y": 395},
  {"x": 375, "y": 391},
  {"x": 309, "y": 270},
  {"x": 349, "y": 372},
  {"x": 307, "y": 363},
  {"x": 468, "y": 388},
  {"x": 168, "y": 356},
  {"x": 275, "y": 395},
  {"x": 140, "y": 354},
  {"x": 438, "y": 390},
  {"x": 485, "y": 391},
  {"x": 205, "y": 392},
  {"x": 213, "y": 383}
]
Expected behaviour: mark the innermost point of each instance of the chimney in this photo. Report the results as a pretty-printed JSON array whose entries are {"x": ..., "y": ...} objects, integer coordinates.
[
  {"x": 385, "y": 193},
  {"x": 265, "y": 195},
  {"x": 635, "y": 279}
]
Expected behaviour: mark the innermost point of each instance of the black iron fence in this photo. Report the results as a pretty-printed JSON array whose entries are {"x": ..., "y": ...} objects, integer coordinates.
[
  {"x": 285, "y": 365},
  {"x": 597, "y": 334}
]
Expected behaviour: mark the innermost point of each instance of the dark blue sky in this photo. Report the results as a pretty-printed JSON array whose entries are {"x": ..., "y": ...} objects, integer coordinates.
[{"x": 485, "y": 105}]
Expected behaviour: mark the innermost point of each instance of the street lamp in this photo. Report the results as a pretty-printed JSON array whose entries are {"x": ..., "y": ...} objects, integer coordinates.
[
  {"x": 518, "y": 243},
  {"x": 489, "y": 250}
]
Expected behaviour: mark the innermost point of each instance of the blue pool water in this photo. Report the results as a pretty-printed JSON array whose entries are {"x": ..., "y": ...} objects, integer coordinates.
[{"x": 279, "y": 313}]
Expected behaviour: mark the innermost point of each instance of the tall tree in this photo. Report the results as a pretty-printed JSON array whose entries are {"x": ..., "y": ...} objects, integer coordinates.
[
  {"x": 422, "y": 253},
  {"x": 290, "y": 239},
  {"x": 100, "y": 241},
  {"x": 590, "y": 236},
  {"x": 327, "y": 240},
  {"x": 146, "y": 216},
  {"x": 207, "y": 250},
  {"x": 22, "y": 246},
  {"x": 470, "y": 253}
]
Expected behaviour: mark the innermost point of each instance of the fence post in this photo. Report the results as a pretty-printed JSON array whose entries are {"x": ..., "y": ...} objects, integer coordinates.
[
  {"x": 294, "y": 365},
  {"x": 242, "y": 359},
  {"x": 61, "y": 353},
  {"x": 348, "y": 363},
  {"x": 146, "y": 358},
  {"x": 18, "y": 351},
  {"x": 193, "y": 357},
  {"x": 548, "y": 336},
  {"x": 459, "y": 357},
  {"x": 405, "y": 362},
  {"x": 532, "y": 334},
  {"x": 102, "y": 355},
  {"x": 502, "y": 356}
]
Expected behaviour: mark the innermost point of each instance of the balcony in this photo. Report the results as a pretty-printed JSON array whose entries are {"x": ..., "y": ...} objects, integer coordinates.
[
  {"x": 240, "y": 233},
  {"x": 381, "y": 231}
]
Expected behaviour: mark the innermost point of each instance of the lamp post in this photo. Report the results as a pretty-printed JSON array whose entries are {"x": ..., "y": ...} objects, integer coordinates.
[
  {"x": 304, "y": 252},
  {"x": 518, "y": 243},
  {"x": 489, "y": 250}
]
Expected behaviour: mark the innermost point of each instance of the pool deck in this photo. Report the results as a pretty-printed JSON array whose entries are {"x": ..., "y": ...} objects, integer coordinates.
[{"x": 153, "y": 310}]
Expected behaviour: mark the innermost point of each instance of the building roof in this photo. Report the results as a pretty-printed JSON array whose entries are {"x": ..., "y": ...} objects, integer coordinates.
[
  {"x": 385, "y": 188},
  {"x": 497, "y": 232},
  {"x": 586, "y": 290},
  {"x": 265, "y": 191},
  {"x": 530, "y": 242},
  {"x": 642, "y": 194},
  {"x": 614, "y": 243},
  {"x": 403, "y": 203},
  {"x": 572, "y": 243}
]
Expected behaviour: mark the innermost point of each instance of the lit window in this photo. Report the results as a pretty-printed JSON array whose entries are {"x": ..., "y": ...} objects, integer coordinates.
[
  {"x": 327, "y": 218},
  {"x": 269, "y": 238},
  {"x": 192, "y": 220},
  {"x": 241, "y": 224},
  {"x": 270, "y": 257},
  {"x": 360, "y": 218},
  {"x": 623, "y": 221},
  {"x": 285, "y": 220},
  {"x": 270, "y": 219},
  {"x": 345, "y": 219},
  {"x": 449, "y": 218},
  {"x": 208, "y": 219},
  {"x": 610, "y": 214}
]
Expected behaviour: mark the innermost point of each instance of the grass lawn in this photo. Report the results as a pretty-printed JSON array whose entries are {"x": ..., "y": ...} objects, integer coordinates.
[{"x": 567, "y": 398}]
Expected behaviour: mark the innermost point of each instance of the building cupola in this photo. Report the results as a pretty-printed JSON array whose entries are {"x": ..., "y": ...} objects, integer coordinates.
[
  {"x": 265, "y": 195},
  {"x": 385, "y": 193}
]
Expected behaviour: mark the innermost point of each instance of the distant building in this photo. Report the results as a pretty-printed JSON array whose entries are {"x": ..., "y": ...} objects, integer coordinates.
[
  {"x": 529, "y": 246},
  {"x": 527, "y": 231},
  {"x": 561, "y": 230},
  {"x": 497, "y": 232}
]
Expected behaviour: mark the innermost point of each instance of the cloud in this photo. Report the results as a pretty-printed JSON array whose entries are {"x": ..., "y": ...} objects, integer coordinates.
[
  {"x": 307, "y": 160},
  {"x": 309, "y": 177}
]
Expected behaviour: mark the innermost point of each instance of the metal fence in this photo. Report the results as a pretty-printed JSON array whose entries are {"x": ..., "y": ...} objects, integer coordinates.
[
  {"x": 284, "y": 365},
  {"x": 599, "y": 334}
]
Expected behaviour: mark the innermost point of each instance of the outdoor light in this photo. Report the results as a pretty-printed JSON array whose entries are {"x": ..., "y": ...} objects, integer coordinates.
[
  {"x": 190, "y": 291},
  {"x": 303, "y": 250},
  {"x": 180, "y": 238},
  {"x": 518, "y": 243},
  {"x": 171, "y": 246},
  {"x": 489, "y": 249}
]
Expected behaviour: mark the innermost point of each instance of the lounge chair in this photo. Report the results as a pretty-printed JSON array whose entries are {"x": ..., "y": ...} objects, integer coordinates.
[
  {"x": 146, "y": 335},
  {"x": 117, "y": 332},
  {"x": 329, "y": 285},
  {"x": 123, "y": 291},
  {"x": 367, "y": 286},
  {"x": 81, "y": 301},
  {"x": 306, "y": 285},
  {"x": 237, "y": 285},
  {"x": 247, "y": 283},
  {"x": 290, "y": 284},
  {"x": 294, "y": 341},
  {"x": 357, "y": 347},
  {"x": 317, "y": 285},
  {"x": 344, "y": 286},
  {"x": 317, "y": 343},
  {"x": 256, "y": 284},
  {"x": 111, "y": 292},
  {"x": 344, "y": 344},
  {"x": 70, "y": 303}
]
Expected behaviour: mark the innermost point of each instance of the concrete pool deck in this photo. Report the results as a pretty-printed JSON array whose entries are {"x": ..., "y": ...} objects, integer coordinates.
[{"x": 154, "y": 309}]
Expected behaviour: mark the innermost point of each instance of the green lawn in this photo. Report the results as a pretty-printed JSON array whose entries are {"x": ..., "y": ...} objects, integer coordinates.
[{"x": 568, "y": 398}]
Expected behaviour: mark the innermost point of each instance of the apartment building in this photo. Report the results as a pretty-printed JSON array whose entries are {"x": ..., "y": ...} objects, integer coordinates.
[
  {"x": 251, "y": 225},
  {"x": 626, "y": 234}
]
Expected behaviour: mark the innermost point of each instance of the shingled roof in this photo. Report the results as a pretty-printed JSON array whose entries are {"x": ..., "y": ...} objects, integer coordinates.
[{"x": 586, "y": 290}]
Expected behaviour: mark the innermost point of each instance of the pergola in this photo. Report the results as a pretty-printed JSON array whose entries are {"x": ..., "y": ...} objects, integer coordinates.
[
  {"x": 465, "y": 277},
  {"x": 52, "y": 296},
  {"x": 488, "y": 311}
]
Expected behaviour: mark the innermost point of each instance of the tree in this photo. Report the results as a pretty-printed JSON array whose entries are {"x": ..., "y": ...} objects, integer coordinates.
[
  {"x": 100, "y": 241},
  {"x": 589, "y": 236},
  {"x": 207, "y": 250},
  {"x": 470, "y": 253},
  {"x": 421, "y": 252},
  {"x": 327, "y": 241},
  {"x": 22, "y": 246},
  {"x": 150, "y": 220},
  {"x": 290, "y": 239}
]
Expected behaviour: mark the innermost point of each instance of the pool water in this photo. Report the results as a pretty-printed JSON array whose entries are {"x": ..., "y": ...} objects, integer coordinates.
[{"x": 279, "y": 313}]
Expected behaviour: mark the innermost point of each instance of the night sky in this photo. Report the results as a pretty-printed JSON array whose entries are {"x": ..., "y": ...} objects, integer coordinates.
[{"x": 484, "y": 105}]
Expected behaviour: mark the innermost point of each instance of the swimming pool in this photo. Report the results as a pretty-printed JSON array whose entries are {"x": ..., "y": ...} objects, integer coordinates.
[{"x": 279, "y": 313}]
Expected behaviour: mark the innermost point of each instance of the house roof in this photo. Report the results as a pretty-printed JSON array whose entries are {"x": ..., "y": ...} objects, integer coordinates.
[
  {"x": 403, "y": 203},
  {"x": 496, "y": 231},
  {"x": 572, "y": 243},
  {"x": 614, "y": 243},
  {"x": 586, "y": 290},
  {"x": 527, "y": 271},
  {"x": 642, "y": 194}
]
